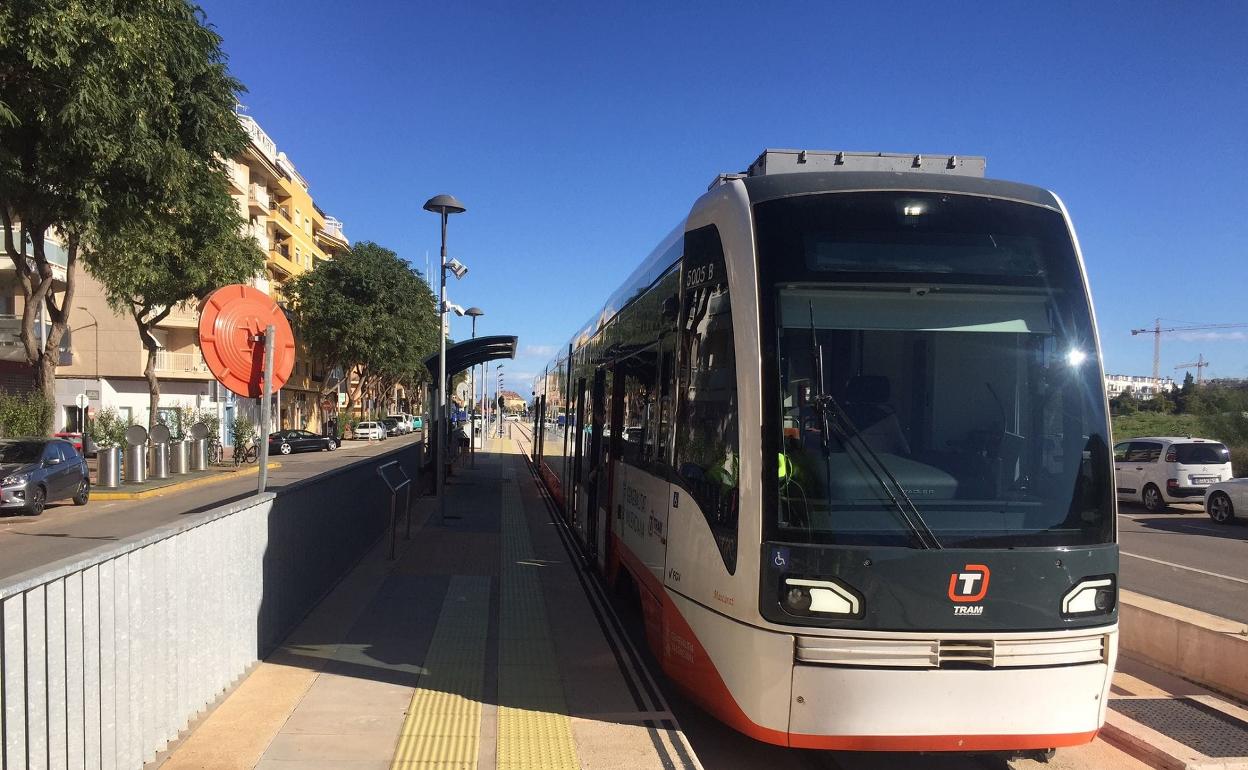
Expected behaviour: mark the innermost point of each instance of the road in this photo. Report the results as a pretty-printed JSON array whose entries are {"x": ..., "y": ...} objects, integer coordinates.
[
  {"x": 1183, "y": 557},
  {"x": 65, "y": 530}
]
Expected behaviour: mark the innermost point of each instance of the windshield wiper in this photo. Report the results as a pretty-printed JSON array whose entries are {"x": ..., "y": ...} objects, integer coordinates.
[{"x": 824, "y": 404}]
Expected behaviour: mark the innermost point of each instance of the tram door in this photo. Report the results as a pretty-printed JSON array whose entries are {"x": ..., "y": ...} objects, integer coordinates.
[
  {"x": 596, "y": 468},
  {"x": 576, "y": 488},
  {"x": 613, "y": 445}
]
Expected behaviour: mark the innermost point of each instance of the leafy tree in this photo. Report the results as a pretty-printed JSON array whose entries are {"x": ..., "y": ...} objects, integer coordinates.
[
  {"x": 365, "y": 311},
  {"x": 154, "y": 263},
  {"x": 105, "y": 110}
]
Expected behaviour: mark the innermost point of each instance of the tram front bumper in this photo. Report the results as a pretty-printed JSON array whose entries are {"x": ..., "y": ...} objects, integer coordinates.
[{"x": 860, "y": 709}]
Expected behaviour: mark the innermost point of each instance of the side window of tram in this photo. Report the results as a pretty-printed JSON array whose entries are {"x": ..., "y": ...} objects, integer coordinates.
[
  {"x": 706, "y": 423},
  {"x": 639, "y": 408}
]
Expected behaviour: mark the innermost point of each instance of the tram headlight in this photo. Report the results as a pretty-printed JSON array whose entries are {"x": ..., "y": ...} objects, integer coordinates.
[
  {"x": 807, "y": 597},
  {"x": 1092, "y": 596}
]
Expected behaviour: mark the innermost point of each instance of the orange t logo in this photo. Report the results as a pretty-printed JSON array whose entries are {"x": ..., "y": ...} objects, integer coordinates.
[{"x": 969, "y": 585}]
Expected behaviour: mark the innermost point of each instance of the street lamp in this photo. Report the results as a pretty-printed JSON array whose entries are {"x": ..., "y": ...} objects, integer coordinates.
[
  {"x": 96, "y": 323},
  {"x": 474, "y": 313},
  {"x": 444, "y": 205}
]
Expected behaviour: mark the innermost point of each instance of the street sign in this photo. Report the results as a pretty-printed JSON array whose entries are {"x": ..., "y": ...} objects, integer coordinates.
[{"x": 82, "y": 401}]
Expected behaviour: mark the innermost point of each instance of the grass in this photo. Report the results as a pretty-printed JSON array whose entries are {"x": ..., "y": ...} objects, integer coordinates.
[{"x": 1127, "y": 426}]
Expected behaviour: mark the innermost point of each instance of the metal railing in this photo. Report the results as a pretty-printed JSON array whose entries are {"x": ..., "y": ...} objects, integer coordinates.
[
  {"x": 180, "y": 362},
  {"x": 259, "y": 195}
]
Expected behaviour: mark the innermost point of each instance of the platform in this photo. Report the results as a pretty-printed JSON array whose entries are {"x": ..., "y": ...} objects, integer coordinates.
[{"x": 477, "y": 647}]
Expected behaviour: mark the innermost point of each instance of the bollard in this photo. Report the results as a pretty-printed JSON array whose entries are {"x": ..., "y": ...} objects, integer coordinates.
[
  {"x": 108, "y": 474},
  {"x": 136, "y": 464},
  {"x": 199, "y": 455},
  {"x": 158, "y": 461},
  {"x": 179, "y": 457}
]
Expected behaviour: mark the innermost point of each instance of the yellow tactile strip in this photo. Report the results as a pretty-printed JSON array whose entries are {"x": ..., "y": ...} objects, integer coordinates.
[
  {"x": 534, "y": 730},
  {"x": 443, "y": 724}
]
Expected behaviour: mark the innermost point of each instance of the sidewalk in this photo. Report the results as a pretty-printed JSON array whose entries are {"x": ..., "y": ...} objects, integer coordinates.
[{"x": 476, "y": 647}]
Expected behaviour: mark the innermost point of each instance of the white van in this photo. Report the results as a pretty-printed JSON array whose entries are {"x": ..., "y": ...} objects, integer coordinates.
[{"x": 1157, "y": 471}]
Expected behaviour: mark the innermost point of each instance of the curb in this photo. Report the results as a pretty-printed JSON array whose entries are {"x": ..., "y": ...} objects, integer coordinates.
[
  {"x": 1199, "y": 647},
  {"x": 181, "y": 485}
]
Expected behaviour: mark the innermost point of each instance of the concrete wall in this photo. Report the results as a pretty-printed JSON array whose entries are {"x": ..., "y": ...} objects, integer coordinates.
[
  {"x": 1195, "y": 645},
  {"x": 106, "y": 657}
]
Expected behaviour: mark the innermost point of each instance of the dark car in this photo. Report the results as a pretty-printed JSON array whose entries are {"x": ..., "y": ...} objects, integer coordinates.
[
  {"x": 392, "y": 426},
  {"x": 34, "y": 471},
  {"x": 286, "y": 442}
]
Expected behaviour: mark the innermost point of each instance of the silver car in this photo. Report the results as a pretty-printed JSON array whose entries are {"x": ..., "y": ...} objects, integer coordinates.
[{"x": 34, "y": 471}]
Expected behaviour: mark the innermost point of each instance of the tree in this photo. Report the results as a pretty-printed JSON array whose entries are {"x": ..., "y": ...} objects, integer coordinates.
[
  {"x": 105, "y": 109},
  {"x": 365, "y": 311},
  {"x": 154, "y": 263}
]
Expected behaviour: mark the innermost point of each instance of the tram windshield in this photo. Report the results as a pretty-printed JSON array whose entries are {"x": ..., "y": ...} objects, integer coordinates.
[{"x": 937, "y": 370}]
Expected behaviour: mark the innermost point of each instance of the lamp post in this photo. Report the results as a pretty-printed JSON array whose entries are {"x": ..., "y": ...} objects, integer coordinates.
[
  {"x": 498, "y": 394},
  {"x": 474, "y": 313},
  {"x": 444, "y": 205}
]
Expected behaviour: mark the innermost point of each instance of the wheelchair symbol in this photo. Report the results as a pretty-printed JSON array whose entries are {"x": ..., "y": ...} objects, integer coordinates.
[{"x": 780, "y": 557}]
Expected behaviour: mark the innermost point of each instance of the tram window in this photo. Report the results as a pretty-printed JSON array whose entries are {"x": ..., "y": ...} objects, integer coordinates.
[
  {"x": 706, "y": 428},
  {"x": 666, "y": 391},
  {"x": 639, "y": 406}
]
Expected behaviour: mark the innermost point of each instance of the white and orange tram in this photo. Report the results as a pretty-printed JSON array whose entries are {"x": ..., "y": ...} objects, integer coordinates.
[{"x": 844, "y": 435}]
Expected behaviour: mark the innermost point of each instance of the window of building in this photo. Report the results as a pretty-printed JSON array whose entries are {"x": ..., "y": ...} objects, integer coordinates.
[{"x": 706, "y": 424}]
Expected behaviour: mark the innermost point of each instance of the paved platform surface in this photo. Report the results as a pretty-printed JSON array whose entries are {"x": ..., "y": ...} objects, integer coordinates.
[{"x": 478, "y": 647}]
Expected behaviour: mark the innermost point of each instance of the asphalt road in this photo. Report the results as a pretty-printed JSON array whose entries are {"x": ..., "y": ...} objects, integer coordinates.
[
  {"x": 66, "y": 530},
  {"x": 1181, "y": 556}
]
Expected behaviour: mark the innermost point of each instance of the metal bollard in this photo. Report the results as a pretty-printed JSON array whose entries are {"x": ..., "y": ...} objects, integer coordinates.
[
  {"x": 179, "y": 457},
  {"x": 136, "y": 464},
  {"x": 199, "y": 455},
  {"x": 108, "y": 473},
  {"x": 158, "y": 461}
]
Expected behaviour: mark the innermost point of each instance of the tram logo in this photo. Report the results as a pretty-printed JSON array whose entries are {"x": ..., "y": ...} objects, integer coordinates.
[{"x": 970, "y": 584}]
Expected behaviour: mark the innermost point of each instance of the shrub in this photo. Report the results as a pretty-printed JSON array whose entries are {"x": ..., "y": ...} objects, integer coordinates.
[
  {"x": 25, "y": 414},
  {"x": 108, "y": 430},
  {"x": 242, "y": 431}
]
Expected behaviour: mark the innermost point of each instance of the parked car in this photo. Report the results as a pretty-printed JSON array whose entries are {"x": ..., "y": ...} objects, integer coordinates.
[
  {"x": 286, "y": 442},
  {"x": 1226, "y": 499},
  {"x": 370, "y": 430},
  {"x": 35, "y": 471},
  {"x": 391, "y": 426},
  {"x": 404, "y": 421},
  {"x": 1161, "y": 470},
  {"x": 418, "y": 422},
  {"x": 511, "y": 417},
  {"x": 84, "y": 444}
]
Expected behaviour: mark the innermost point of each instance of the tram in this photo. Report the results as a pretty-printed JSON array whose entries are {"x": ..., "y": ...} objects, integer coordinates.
[{"x": 843, "y": 434}]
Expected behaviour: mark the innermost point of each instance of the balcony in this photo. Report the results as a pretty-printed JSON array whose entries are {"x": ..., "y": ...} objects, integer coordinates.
[
  {"x": 237, "y": 174},
  {"x": 266, "y": 146},
  {"x": 280, "y": 216},
  {"x": 258, "y": 200},
  {"x": 181, "y": 317},
  {"x": 181, "y": 363},
  {"x": 330, "y": 237}
]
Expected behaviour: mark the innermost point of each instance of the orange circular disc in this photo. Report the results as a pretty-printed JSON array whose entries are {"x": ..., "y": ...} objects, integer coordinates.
[{"x": 231, "y": 329}]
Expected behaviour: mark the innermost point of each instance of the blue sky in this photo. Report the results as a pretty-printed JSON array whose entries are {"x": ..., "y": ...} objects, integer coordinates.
[{"x": 578, "y": 134}]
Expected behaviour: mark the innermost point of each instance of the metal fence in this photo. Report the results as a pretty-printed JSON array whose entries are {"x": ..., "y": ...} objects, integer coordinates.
[{"x": 105, "y": 658}]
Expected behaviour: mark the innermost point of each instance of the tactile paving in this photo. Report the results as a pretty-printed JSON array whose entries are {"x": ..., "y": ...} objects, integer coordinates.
[
  {"x": 443, "y": 724},
  {"x": 534, "y": 729},
  {"x": 1190, "y": 722}
]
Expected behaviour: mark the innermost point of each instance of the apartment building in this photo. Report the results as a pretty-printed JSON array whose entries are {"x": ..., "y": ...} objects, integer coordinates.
[
  {"x": 105, "y": 359},
  {"x": 1141, "y": 386}
]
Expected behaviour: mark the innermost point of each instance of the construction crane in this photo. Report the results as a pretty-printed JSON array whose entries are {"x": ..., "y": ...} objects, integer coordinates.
[
  {"x": 1200, "y": 363},
  {"x": 1157, "y": 331}
]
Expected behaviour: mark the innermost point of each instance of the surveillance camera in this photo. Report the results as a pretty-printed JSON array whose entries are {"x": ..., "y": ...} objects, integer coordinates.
[{"x": 457, "y": 268}]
